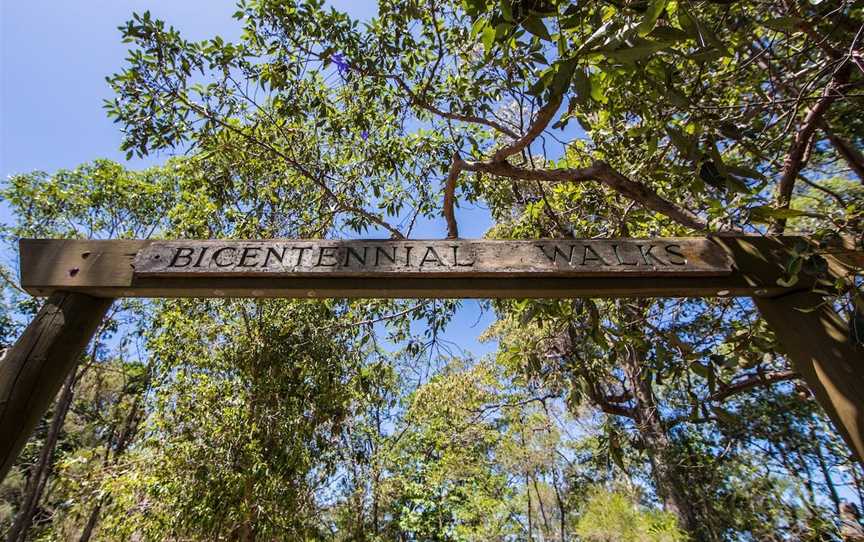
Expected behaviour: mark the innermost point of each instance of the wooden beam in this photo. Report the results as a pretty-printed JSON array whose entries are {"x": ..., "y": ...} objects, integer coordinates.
[
  {"x": 417, "y": 258},
  {"x": 34, "y": 368},
  {"x": 107, "y": 269},
  {"x": 818, "y": 345},
  {"x": 817, "y": 342}
]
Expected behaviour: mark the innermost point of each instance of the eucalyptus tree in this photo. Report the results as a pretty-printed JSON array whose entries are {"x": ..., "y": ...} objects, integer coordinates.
[
  {"x": 568, "y": 119},
  {"x": 96, "y": 200},
  {"x": 196, "y": 356}
]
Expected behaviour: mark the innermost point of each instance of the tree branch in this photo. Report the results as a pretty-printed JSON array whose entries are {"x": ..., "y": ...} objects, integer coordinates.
[
  {"x": 416, "y": 100},
  {"x": 762, "y": 379},
  {"x": 450, "y": 196},
  {"x": 795, "y": 162},
  {"x": 598, "y": 171},
  {"x": 844, "y": 148},
  {"x": 541, "y": 121},
  {"x": 203, "y": 111}
]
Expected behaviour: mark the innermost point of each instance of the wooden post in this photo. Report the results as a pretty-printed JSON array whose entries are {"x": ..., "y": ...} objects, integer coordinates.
[
  {"x": 819, "y": 347},
  {"x": 33, "y": 370}
]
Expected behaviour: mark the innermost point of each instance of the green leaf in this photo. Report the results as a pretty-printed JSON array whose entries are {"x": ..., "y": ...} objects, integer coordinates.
[
  {"x": 743, "y": 171},
  {"x": 535, "y": 25},
  {"x": 783, "y": 24},
  {"x": 628, "y": 55},
  {"x": 474, "y": 7},
  {"x": 685, "y": 143},
  {"x": 735, "y": 185},
  {"x": 507, "y": 10},
  {"x": 608, "y": 28},
  {"x": 788, "y": 282},
  {"x": 704, "y": 36},
  {"x": 501, "y": 30},
  {"x": 543, "y": 81},
  {"x": 649, "y": 20},
  {"x": 668, "y": 33},
  {"x": 488, "y": 38},
  {"x": 598, "y": 88},
  {"x": 563, "y": 76},
  {"x": 582, "y": 84},
  {"x": 700, "y": 369},
  {"x": 764, "y": 213},
  {"x": 479, "y": 26}
]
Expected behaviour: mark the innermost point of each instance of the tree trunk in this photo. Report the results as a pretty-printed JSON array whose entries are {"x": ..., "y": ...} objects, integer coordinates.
[
  {"x": 670, "y": 484},
  {"x": 130, "y": 426},
  {"x": 39, "y": 477},
  {"x": 92, "y": 520}
]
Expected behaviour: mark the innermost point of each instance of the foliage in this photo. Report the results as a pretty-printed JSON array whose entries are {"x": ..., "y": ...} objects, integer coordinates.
[
  {"x": 342, "y": 420},
  {"x": 612, "y": 517}
]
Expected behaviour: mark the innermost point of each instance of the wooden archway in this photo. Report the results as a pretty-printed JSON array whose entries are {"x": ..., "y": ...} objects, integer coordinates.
[{"x": 82, "y": 278}]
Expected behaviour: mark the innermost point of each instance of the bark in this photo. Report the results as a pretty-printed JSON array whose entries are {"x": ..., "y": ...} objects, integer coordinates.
[
  {"x": 670, "y": 484},
  {"x": 34, "y": 369},
  {"x": 796, "y": 156},
  {"x": 546, "y": 527},
  {"x": 826, "y": 472},
  {"x": 600, "y": 172},
  {"x": 450, "y": 197},
  {"x": 92, "y": 520},
  {"x": 36, "y": 484},
  {"x": 850, "y": 524},
  {"x": 641, "y": 407},
  {"x": 847, "y": 150},
  {"x": 562, "y": 510},
  {"x": 130, "y": 426}
]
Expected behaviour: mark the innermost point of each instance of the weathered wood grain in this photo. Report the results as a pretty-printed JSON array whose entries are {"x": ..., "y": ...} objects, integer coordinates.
[
  {"x": 819, "y": 348},
  {"x": 817, "y": 341},
  {"x": 480, "y": 258},
  {"x": 105, "y": 269},
  {"x": 33, "y": 370}
]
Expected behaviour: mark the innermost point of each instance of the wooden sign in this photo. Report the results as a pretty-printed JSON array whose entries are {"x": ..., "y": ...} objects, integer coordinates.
[
  {"x": 665, "y": 267},
  {"x": 631, "y": 257}
]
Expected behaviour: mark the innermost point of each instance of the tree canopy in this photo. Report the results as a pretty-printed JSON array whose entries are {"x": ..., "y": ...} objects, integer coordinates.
[{"x": 642, "y": 419}]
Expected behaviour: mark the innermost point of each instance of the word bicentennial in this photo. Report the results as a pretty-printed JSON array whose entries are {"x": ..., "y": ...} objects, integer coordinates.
[{"x": 642, "y": 257}]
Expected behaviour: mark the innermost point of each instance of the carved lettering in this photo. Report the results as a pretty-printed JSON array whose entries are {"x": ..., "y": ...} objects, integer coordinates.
[
  {"x": 247, "y": 252},
  {"x": 353, "y": 252},
  {"x": 618, "y": 257},
  {"x": 201, "y": 257},
  {"x": 456, "y": 261},
  {"x": 410, "y": 258},
  {"x": 272, "y": 252},
  {"x": 675, "y": 250},
  {"x": 435, "y": 257},
  {"x": 555, "y": 252},
  {"x": 179, "y": 254},
  {"x": 219, "y": 252},
  {"x": 380, "y": 251},
  {"x": 648, "y": 254},
  {"x": 326, "y": 252},
  {"x": 591, "y": 255},
  {"x": 301, "y": 250}
]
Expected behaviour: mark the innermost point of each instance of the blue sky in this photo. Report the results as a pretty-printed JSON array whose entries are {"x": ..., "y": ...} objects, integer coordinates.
[{"x": 54, "y": 57}]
